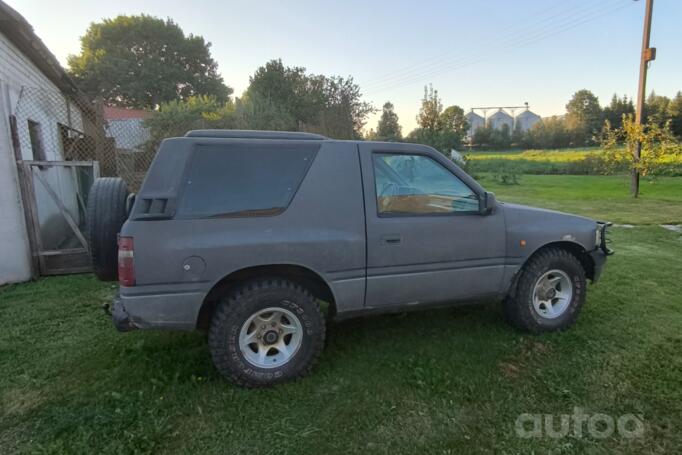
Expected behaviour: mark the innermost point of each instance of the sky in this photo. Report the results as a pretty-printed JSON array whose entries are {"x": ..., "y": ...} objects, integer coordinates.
[{"x": 475, "y": 53}]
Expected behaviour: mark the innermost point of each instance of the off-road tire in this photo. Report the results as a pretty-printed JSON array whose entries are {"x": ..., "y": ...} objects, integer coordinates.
[
  {"x": 237, "y": 306},
  {"x": 518, "y": 307},
  {"x": 107, "y": 212}
]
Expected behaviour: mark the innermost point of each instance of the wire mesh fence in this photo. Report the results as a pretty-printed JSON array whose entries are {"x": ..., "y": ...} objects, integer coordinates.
[{"x": 49, "y": 126}]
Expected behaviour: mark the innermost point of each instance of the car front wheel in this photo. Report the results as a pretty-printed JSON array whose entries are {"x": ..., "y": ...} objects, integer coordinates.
[{"x": 549, "y": 294}]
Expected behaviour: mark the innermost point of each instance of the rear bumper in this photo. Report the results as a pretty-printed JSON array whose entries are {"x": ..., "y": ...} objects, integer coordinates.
[
  {"x": 120, "y": 318},
  {"x": 135, "y": 308}
]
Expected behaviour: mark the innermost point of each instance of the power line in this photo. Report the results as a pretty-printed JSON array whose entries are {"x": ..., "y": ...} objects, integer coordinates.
[
  {"x": 449, "y": 54},
  {"x": 523, "y": 40},
  {"x": 546, "y": 24},
  {"x": 528, "y": 38}
]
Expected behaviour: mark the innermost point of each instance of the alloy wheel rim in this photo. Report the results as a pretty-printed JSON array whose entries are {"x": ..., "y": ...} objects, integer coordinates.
[
  {"x": 270, "y": 337},
  {"x": 552, "y": 294}
]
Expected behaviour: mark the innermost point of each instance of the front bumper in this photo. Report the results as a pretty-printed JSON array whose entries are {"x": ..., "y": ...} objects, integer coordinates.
[
  {"x": 602, "y": 251},
  {"x": 599, "y": 259}
]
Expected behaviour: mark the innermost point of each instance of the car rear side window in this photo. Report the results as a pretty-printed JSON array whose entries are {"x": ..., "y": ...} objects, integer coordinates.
[{"x": 244, "y": 180}]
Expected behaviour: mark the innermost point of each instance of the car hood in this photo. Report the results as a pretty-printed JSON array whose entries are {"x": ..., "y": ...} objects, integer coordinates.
[
  {"x": 535, "y": 227},
  {"x": 535, "y": 211}
]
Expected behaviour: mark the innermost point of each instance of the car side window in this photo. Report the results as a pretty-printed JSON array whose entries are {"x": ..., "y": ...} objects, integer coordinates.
[
  {"x": 418, "y": 185},
  {"x": 234, "y": 180}
]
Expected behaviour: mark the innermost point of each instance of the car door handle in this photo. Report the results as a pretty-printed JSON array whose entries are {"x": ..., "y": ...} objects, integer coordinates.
[{"x": 391, "y": 240}]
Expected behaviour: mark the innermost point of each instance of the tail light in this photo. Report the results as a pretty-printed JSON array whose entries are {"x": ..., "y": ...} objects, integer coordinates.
[{"x": 126, "y": 263}]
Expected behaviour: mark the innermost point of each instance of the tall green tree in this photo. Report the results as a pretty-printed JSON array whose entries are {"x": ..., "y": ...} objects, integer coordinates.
[
  {"x": 452, "y": 119},
  {"x": 388, "y": 128},
  {"x": 441, "y": 129},
  {"x": 583, "y": 117},
  {"x": 329, "y": 105},
  {"x": 428, "y": 117},
  {"x": 175, "y": 118},
  {"x": 656, "y": 109},
  {"x": 549, "y": 133},
  {"x": 675, "y": 112},
  {"x": 255, "y": 112},
  {"x": 618, "y": 107},
  {"x": 143, "y": 61},
  {"x": 344, "y": 114},
  {"x": 290, "y": 89}
]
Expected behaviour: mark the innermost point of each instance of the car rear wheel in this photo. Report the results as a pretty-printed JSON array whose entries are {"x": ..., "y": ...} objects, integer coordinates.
[
  {"x": 266, "y": 332},
  {"x": 549, "y": 294}
]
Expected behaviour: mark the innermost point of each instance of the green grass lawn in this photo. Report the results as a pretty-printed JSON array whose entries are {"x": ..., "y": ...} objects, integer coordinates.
[
  {"x": 605, "y": 198},
  {"x": 448, "y": 382}
]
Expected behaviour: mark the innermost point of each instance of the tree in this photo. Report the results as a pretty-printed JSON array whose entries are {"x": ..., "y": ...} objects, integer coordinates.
[
  {"x": 344, "y": 113},
  {"x": 331, "y": 106},
  {"x": 290, "y": 89},
  {"x": 441, "y": 129},
  {"x": 388, "y": 128},
  {"x": 675, "y": 112},
  {"x": 428, "y": 117},
  {"x": 615, "y": 111},
  {"x": 255, "y": 112},
  {"x": 583, "y": 117},
  {"x": 658, "y": 145},
  {"x": 549, "y": 133},
  {"x": 175, "y": 118},
  {"x": 452, "y": 119},
  {"x": 143, "y": 61},
  {"x": 656, "y": 109}
]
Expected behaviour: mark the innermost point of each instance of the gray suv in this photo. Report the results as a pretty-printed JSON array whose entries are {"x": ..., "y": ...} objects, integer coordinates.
[{"x": 250, "y": 235}]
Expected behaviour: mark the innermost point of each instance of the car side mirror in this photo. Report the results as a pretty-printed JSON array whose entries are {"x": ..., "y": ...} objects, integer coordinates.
[{"x": 487, "y": 203}]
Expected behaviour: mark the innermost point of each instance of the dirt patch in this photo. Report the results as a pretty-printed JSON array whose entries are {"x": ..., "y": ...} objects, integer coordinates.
[
  {"x": 514, "y": 367},
  {"x": 20, "y": 401}
]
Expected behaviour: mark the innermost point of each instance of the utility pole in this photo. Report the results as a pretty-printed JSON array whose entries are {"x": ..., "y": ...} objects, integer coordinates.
[{"x": 648, "y": 54}]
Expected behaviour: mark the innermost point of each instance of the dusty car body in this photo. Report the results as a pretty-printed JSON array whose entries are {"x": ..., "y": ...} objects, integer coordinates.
[{"x": 364, "y": 226}]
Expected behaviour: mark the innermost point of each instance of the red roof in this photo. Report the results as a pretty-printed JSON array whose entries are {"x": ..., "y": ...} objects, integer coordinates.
[{"x": 122, "y": 113}]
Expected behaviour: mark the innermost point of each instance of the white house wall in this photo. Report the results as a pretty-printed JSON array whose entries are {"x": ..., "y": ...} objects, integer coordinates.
[{"x": 27, "y": 94}]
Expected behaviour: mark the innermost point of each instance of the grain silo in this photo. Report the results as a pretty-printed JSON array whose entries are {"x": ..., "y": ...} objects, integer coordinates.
[
  {"x": 500, "y": 118},
  {"x": 475, "y": 122},
  {"x": 526, "y": 119}
]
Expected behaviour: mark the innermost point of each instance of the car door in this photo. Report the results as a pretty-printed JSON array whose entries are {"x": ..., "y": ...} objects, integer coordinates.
[{"x": 427, "y": 241}]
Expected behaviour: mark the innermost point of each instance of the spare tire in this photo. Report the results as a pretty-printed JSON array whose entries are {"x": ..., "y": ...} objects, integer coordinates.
[{"x": 107, "y": 212}]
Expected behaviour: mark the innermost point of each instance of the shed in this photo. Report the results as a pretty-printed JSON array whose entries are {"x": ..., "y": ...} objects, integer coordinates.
[{"x": 43, "y": 118}]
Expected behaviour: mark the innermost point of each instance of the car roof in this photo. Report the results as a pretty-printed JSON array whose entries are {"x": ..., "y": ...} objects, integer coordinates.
[{"x": 251, "y": 134}]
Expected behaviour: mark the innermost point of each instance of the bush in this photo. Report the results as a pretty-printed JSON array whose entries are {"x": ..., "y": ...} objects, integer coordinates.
[{"x": 506, "y": 173}]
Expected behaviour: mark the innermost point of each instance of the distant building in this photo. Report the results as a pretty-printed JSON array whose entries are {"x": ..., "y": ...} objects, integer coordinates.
[
  {"x": 126, "y": 127},
  {"x": 523, "y": 121},
  {"x": 526, "y": 119},
  {"x": 475, "y": 122},
  {"x": 500, "y": 118}
]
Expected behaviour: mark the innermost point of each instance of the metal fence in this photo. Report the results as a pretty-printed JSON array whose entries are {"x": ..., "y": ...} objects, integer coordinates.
[
  {"x": 49, "y": 126},
  {"x": 61, "y": 144}
]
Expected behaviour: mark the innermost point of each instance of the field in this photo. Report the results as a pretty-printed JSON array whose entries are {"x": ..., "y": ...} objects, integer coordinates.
[
  {"x": 449, "y": 381},
  {"x": 582, "y": 161}
]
